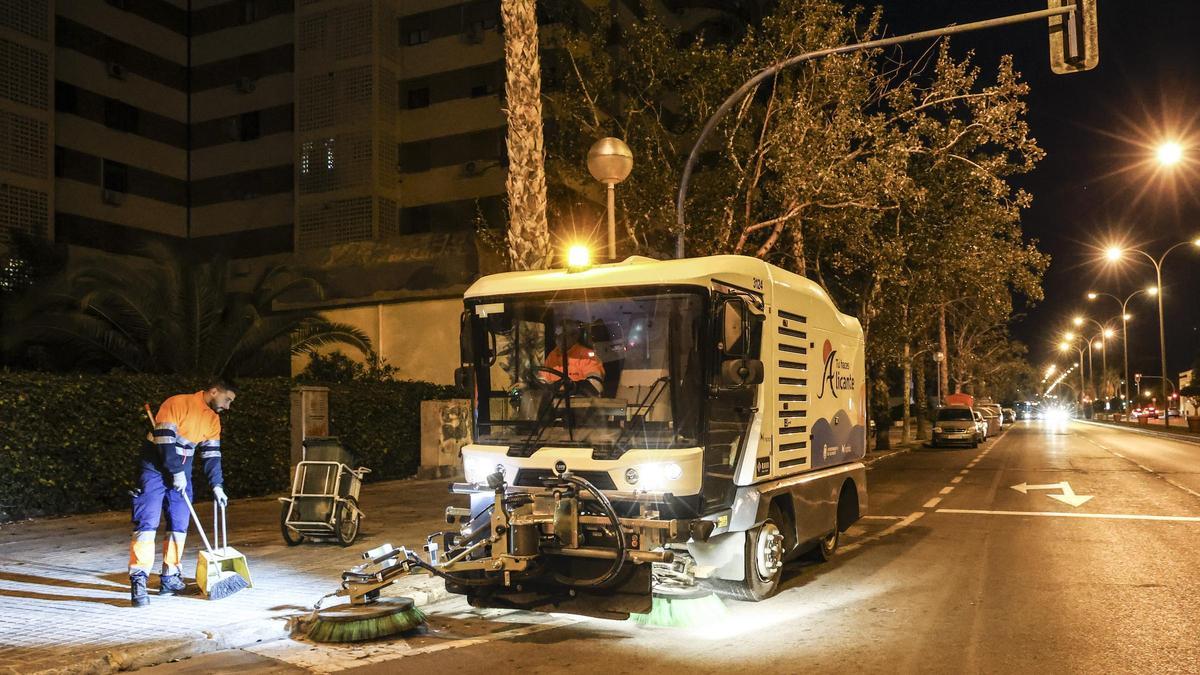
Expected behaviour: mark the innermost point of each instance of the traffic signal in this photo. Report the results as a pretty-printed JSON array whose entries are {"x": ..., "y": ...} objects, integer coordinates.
[{"x": 1074, "y": 43}]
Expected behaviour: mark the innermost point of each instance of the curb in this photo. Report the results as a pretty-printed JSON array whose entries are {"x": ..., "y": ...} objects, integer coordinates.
[
  {"x": 425, "y": 590},
  {"x": 1147, "y": 432}
]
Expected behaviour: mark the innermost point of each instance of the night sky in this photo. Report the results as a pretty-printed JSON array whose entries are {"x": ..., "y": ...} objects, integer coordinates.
[{"x": 1098, "y": 181}]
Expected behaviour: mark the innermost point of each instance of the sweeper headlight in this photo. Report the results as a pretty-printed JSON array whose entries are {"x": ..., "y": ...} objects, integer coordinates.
[
  {"x": 478, "y": 469},
  {"x": 654, "y": 476}
]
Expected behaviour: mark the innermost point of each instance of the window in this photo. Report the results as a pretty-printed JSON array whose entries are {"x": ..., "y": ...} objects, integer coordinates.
[
  {"x": 115, "y": 176},
  {"x": 249, "y": 11},
  {"x": 418, "y": 36},
  {"x": 120, "y": 116},
  {"x": 418, "y": 98},
  {"x": 248, "y": 126},
  {"x": 481, "y": 90},
  {"x": 60, "y": 161},
  {"x": 416, "y": 219},
  {"x": 66, "y": 97}
]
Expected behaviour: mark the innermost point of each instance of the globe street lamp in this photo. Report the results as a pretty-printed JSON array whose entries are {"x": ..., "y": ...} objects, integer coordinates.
[
  {"x": 609, "y": 161},
  {"x": 1125, "y": 317},
  {"x": 1116, "y": 253}
]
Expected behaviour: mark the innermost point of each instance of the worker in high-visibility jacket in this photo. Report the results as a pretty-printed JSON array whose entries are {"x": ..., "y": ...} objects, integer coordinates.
[
  {"x": 582, "y": 366},
  {"x": 186, "y": 425}
]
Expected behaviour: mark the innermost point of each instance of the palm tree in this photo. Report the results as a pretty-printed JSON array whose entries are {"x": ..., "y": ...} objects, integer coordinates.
[
  {"x": 528, "y": 234},
  {"x": 174, "y": 315}
]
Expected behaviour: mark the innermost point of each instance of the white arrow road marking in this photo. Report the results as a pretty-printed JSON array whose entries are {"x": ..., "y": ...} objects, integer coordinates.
[{"x": 1068, "y": 495}]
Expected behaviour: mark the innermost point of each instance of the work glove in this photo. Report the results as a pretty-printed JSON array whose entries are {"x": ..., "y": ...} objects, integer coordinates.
[
  {"x": 219, "y": 495},
  {"x": 179, "y": 482}
]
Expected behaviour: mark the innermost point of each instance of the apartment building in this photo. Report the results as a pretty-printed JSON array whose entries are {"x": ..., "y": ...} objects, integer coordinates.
[{"x": 251, "y": 127}]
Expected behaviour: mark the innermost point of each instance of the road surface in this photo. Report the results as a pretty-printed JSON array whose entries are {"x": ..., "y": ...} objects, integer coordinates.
[{"x": 1089, "y": 564}]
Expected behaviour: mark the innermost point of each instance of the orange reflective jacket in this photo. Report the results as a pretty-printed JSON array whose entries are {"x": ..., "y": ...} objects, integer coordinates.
[{"x": 582, "y": 363}]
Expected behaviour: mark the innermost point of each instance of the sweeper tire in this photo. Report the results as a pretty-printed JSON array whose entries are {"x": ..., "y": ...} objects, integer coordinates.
[
  {"x": 290, "y": 536},
  {"x": 345, "y": 522},
  {"x": 763, "y": 558}
]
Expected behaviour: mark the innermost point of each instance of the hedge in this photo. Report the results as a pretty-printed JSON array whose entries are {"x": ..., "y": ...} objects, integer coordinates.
[{"x": 70, "y": 443}]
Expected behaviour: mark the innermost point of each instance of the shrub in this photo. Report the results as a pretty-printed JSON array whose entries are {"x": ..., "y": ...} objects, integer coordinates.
[{"x": 70, "y": 443}]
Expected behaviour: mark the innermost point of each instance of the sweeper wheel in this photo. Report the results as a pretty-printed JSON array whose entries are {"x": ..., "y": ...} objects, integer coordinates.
[{"x": 356, "y": 623}]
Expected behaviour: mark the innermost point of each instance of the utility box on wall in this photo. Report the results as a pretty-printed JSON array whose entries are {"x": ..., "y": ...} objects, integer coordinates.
[
  {"x": 310, "y": 417},
  {"x": 445, "y": 429}
]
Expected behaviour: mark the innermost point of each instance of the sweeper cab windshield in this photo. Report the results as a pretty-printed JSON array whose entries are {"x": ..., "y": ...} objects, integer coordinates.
[{"x": 610, "y": 369}]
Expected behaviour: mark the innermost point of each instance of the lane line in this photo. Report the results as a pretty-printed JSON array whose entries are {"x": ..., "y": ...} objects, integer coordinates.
[
  {"x": 1099, "y": 516},
  {"x": 956, "y": 479},
  {"x": 878, "y": 518},
  {"x": 964, "y": 472},
  {"x": 1143, "y": 467},
  {"x": 1185, "y": 489},
  {"x": 932, "y": 503},
  {"x": 895, "y": 527},
  {"x": 947, "y": 490}
]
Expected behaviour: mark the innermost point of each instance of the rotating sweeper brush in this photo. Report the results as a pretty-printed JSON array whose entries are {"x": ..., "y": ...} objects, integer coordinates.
[{"x": 366, "y": 615}]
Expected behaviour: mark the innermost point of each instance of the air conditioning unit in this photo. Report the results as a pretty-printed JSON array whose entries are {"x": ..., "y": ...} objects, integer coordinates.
[
  {"x": 114, "y": 197},
  {"x": 245, "y": 84},
  {"x": 115, "y": 70},
  {"x": 472, "y": 169},
  {"x": 473, "y": 35}
]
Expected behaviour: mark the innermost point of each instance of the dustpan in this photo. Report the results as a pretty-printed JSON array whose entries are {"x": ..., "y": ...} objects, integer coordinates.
[{"x": 220, "y": 561}]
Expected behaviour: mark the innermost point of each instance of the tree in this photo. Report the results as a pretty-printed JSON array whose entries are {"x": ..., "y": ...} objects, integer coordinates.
[
  {"x": 885, "y": 182},
  {"x": 174, "y": 315},
  {"x": 528, "y": 234}
]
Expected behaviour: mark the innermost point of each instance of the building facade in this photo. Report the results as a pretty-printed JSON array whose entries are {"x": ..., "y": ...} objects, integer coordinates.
[{"x": 253, "y": 127}]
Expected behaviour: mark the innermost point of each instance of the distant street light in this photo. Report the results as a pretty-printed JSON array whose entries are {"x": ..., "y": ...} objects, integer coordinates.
[
  {"x": 1169, "y": 153},
  {"x": 1066, "y": 345},
  {"x": 1115, "y": 253}
]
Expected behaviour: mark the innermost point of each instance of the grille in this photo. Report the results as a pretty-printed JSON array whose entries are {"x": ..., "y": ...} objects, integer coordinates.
[{"x": 533, "y": 478}]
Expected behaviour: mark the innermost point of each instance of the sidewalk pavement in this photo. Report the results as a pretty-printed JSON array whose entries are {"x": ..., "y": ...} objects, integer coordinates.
[{"x": 64, "y": 584}]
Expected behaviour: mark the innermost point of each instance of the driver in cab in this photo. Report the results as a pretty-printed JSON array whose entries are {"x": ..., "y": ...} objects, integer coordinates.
[{"x": 583, "y": 367}]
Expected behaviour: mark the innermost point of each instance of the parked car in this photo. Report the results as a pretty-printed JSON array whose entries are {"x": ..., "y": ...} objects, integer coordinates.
[
  {"x": 981, "y": 424},
  {"x": 955, "y": 424},
  {"x": 1010, "y": 415}
]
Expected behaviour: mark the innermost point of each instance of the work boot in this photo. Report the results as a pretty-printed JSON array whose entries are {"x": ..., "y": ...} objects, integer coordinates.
[
  {"x": 138, "y": 595},
  {"x": 170, "y": 584}
]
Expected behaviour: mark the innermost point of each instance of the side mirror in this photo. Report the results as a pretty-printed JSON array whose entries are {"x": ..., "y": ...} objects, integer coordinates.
[
  {"x": 737, "y": 373},
  {"x": 464, "y": 381}
]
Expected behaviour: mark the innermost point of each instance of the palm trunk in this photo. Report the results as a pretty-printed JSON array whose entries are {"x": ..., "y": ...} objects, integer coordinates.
[{"x": 528, "y": 234}]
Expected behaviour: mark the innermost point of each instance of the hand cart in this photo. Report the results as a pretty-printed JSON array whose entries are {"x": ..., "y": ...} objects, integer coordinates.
[{"x": 324, "y": 500}]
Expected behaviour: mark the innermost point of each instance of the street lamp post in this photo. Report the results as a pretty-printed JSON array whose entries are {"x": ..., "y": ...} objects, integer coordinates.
[
  {"x": 1114, "y": 254},
  {"x": 609, "y": 160},
  {"x": 1124, "y": 327},
  {"x": 1069, "y": 343},
  {"x": 938, "y": 357},
  {"x": 1104, "y": 334}
]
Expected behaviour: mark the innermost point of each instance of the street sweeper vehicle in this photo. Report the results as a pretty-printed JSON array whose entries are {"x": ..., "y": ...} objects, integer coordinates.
[{"x": 646, "y": 428}]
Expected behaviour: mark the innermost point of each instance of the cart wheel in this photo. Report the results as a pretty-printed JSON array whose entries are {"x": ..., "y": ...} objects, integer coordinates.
[
  {"x": 290, "y": 536},
  {"x": 345, "y": 523}
]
